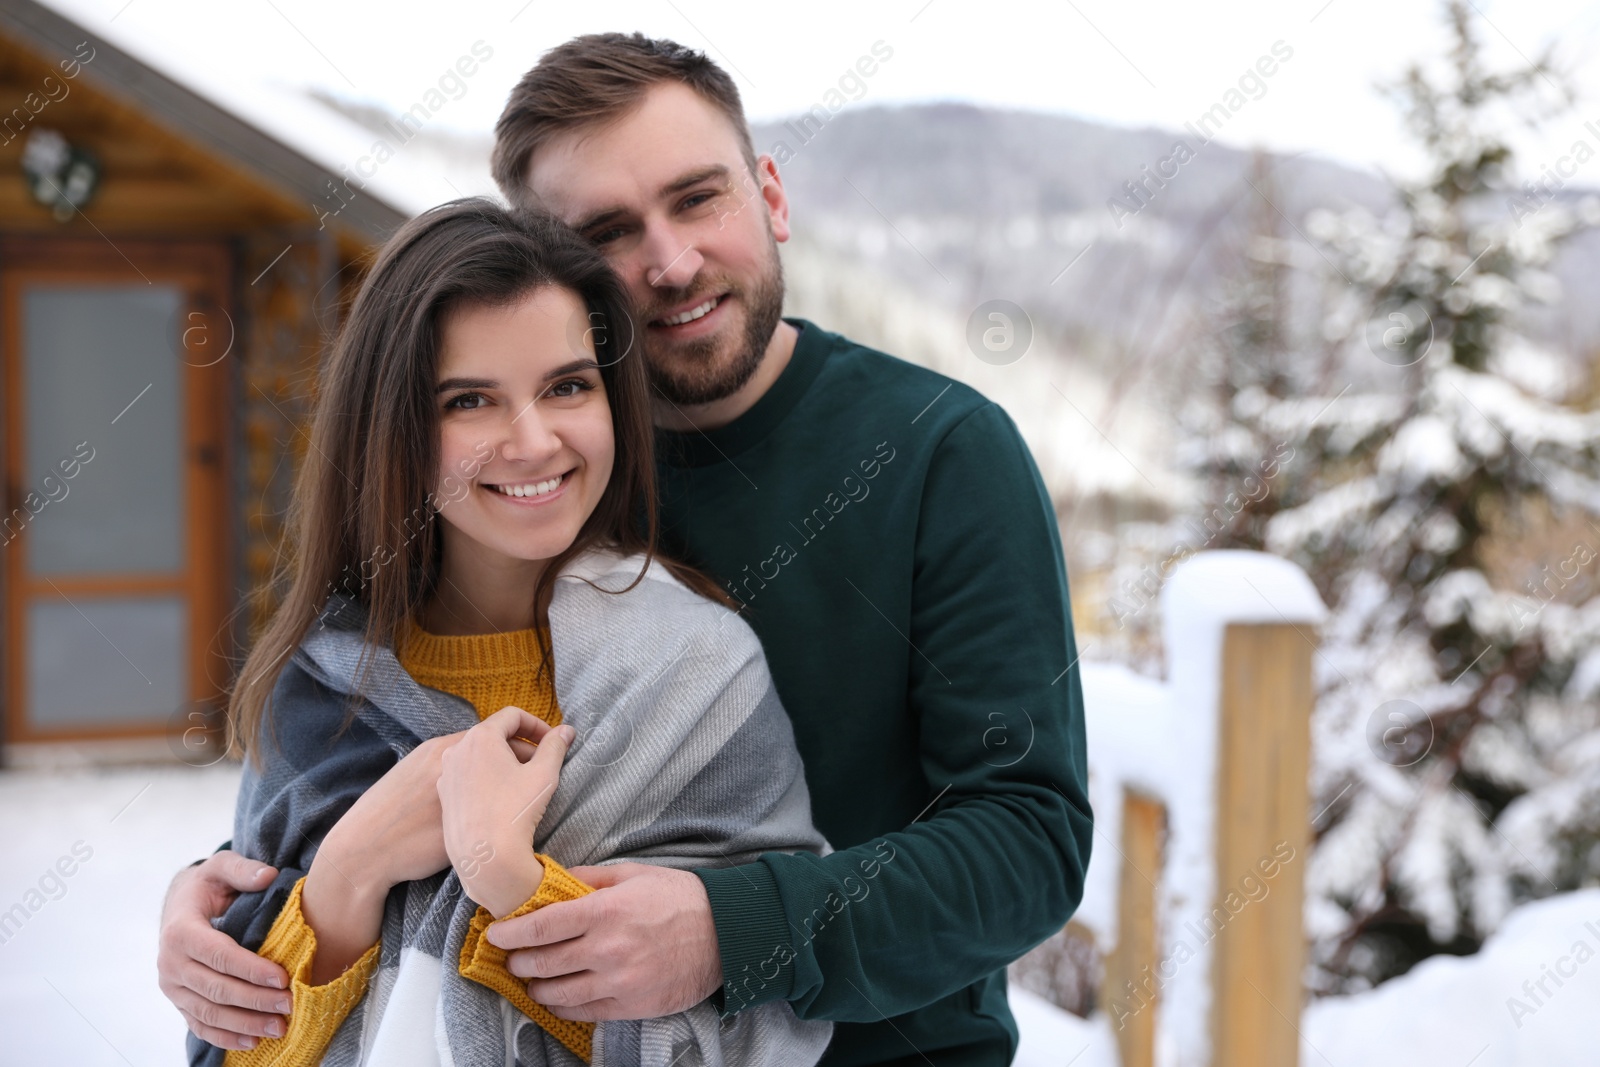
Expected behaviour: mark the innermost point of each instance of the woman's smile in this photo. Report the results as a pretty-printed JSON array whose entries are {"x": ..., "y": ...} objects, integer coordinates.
[{"x": 531, "y": 493}]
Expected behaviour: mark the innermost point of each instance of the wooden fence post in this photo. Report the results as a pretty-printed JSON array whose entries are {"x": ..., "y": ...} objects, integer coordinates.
[
  {"x": 1262, "y": 838},
  {"x": 1130, "y": 978}
]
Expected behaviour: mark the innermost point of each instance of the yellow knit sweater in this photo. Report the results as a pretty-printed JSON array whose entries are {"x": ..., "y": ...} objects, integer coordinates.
[{"x": 491, "y": 671}]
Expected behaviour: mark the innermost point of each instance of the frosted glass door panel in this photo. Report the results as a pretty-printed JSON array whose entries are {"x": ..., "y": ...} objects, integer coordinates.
[
  {"x": 102, "y": 372},
  {"x": 106, "y": 660}
]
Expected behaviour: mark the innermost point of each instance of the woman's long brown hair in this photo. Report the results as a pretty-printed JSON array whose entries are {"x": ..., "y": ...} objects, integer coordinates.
[{"x": 362, "y": 519}]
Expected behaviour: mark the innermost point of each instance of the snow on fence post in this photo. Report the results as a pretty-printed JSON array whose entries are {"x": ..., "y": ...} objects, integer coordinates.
[{"x": 1240, "y": 630}]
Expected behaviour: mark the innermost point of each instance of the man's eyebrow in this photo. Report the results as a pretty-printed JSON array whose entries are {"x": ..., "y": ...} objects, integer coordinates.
[
  {"x": 694, "y": 177},
  {"x": 589, "y": 222},
  {"x": 677, "y": 185}
]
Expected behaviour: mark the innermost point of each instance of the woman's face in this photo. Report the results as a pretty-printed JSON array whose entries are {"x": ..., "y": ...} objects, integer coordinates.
[{"x": 526, "y": 444}]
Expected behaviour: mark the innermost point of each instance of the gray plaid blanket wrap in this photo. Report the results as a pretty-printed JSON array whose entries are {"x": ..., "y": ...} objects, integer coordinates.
[{"x": 684, "y": 757}]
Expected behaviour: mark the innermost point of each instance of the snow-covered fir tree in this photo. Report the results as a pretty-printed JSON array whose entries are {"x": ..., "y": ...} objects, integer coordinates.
[
  {"x": 1452, "y": 522},
  {"x": 1246, "y": 358},
  {"x": 1242, "y": 357},
  {"x": 1437, "y": 474}
]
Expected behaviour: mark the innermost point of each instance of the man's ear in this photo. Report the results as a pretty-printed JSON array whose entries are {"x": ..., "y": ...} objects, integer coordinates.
[{"x": 773, "y": 194}]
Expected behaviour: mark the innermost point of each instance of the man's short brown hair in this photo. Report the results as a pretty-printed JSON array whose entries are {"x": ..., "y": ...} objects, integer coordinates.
[{"x": 594, "y": 79}]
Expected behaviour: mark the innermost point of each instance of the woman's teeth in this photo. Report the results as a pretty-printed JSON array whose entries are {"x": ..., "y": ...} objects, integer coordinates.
[
  {"x": 692, "y": 313},
  {"x": 530, "y": 488}
]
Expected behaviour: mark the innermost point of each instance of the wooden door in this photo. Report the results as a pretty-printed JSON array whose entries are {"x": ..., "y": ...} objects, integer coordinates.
[{"x": 115, "y": 533}]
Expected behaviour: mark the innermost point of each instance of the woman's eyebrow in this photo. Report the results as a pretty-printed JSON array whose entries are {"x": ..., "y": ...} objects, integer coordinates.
[
  {"x": 489, "y": 383},
  {"x": 575, "y": 365},
  {"x": 466, "y": 383}
]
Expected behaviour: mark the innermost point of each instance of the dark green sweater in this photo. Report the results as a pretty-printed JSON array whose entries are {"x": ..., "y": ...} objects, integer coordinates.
[{"x": 895, "y": 549}]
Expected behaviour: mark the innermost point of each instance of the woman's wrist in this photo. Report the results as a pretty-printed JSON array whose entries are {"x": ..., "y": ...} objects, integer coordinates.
[
  {"x": 346, "y": 918},
  {"x": 349, "y": 859},
  {"x": 504, "y": 880}
]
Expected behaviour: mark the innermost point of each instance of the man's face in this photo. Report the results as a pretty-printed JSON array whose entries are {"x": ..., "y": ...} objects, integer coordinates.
[{"x": 666, "y": 194}]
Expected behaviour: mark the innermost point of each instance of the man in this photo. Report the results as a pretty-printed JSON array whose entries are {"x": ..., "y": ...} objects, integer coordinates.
[{"x": 893, "y": 545}]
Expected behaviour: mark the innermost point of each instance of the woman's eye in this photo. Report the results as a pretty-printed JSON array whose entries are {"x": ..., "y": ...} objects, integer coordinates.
[
  {"x": 466, "y": 402},
  {"x": 570, "y": 388}
]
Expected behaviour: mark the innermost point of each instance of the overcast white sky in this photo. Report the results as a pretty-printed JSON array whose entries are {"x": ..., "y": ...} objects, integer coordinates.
[{"x": 1153, "y": 63}]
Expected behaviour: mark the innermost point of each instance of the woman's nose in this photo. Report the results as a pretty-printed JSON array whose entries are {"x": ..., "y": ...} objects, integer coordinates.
[{"x": 529, "y": 435}]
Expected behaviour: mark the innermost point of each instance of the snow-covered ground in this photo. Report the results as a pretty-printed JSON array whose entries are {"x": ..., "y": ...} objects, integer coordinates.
[
  {"x": 1529, "y": 998},
  {"x": 77, "y": 976},
  {"x": 77, "y": 973},
  {"x": 1054, "y": 1038}
]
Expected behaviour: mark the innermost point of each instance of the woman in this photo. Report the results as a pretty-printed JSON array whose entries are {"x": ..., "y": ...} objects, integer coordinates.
[{"x": 475, "y": 567}]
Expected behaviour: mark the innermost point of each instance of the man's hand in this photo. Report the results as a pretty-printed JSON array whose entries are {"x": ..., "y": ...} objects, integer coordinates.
[
  {"x": 642, "y": 945},
  {"x": 227, "y": 994}
]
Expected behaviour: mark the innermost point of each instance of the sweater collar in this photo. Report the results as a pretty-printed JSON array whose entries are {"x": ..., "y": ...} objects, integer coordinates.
[
  {"x": 511, "y": 651},
  {"x": 700, "y": 448}
]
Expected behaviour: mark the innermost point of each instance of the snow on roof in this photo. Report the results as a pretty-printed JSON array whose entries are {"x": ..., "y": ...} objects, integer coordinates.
[{"x": 417, "y": 176}]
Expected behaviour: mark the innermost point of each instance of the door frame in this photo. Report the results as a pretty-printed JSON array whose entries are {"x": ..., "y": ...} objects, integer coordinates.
[{"x": 204, "y": 270}]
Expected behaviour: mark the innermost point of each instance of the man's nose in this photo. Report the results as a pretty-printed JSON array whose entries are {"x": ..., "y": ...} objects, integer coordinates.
[{"x": 670, "y": 263}]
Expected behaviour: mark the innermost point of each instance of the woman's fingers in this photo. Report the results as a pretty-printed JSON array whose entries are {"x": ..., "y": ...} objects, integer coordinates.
[
  {"x": 545, "y": 766},
  {"x": 511, "y": 721}
]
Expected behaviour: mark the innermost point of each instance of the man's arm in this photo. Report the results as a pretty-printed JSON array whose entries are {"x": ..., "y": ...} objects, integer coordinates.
[
  {"x": 228, "y": 995},
  {"x": 997, "y": 863},
  {"x": 310, "y": 774}
]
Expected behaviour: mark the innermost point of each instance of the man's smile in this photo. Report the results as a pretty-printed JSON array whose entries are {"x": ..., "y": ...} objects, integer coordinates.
[{"x": 688, "y": 314}]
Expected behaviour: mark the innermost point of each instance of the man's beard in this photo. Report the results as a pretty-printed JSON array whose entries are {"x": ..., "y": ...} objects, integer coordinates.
[{"x": 690, "y": 372}]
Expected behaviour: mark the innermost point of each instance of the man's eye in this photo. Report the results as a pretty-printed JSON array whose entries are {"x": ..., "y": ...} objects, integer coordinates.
[
  {"x": 466, "y": 402},
  {"x": 607, "y": 235},
  {"x": 697, "y": 199}
]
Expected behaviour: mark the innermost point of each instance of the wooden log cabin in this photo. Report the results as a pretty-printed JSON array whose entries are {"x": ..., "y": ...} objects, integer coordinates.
[{"x": 171, "y": 269}]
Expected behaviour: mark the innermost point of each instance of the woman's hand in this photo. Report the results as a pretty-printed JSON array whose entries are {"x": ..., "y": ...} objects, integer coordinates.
[
  {"x": 391, "y": 834},
  {"x": 492, "y": 802}
]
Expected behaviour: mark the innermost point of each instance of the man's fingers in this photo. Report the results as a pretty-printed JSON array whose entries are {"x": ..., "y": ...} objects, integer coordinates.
[
  {"x": 236, "y": 872},
  {"x": 573, "y": 956},
  {"x": 593, "y": 1012},
  {"x": 216, "y": 951},
  {"x": 569, "y": 991},
  {"x": 193, "y": 1003},
  {"x": 554, "y": 922},
  {"x": 226, "y": 991},
  {"x": 220, "y": 1038},
  {"x": 603, "y": 876}
]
